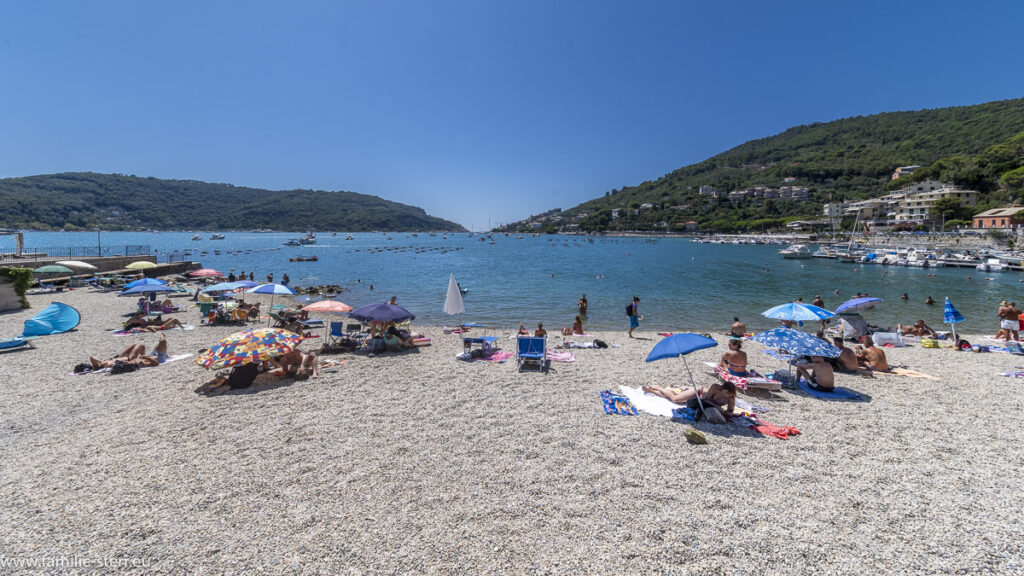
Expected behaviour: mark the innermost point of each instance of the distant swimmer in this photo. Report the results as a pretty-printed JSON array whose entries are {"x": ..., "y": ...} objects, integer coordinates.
[
  {"x": 929, "y": 300},
  {"x": 904, "y": 297}
]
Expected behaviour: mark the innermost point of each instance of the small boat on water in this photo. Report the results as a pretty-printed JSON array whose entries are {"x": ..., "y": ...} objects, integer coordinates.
[
  {"x": 796, "y": 251},
  {"x": 216, "y": 236},
  {"x": 293, "y": 242},
  {"x": 197, "y": 237},
  {"x": 309, "y": 238},
  {"x": 349, "y": 238},
  {"x": 992, "y": 265},
  {"x": 304, "y": 259}
]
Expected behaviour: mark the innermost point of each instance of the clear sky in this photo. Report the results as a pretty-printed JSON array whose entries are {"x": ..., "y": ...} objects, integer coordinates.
[{"x": 478, "y": 111}]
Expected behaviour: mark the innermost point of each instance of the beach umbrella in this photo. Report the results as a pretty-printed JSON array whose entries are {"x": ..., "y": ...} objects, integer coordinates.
[
  {"x": 53, "y": 269},
  {"x": 857, "y": 305},
  {"x": 145, "y": 282},
  {"x": 246, "y": 283},
  {"x": 951, "y": 316},
  {"x": 329, "y": 306},
  {"x": 249, "y": 346},
  {"x": 146, "y": 288},
  {"x": 797, "y": 343},
  {"x": 382, "y": 312},
  {"x": 797, "y": 312},
  {"x": 205, "y": 273},
  {"x": 76, "y": 264},
  {"x": 141, "y": 265},
  {"x": 222, "y": 286},
  {"x": 273, "y": 290},
  {"x": 453, "y": 299},
  {"x": 678, "y": 346}
]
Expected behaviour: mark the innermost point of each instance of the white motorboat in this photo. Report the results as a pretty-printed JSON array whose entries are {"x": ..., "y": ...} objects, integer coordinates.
[
  {"x": 796, "y": 251},
  {"x": 992, "y": 265}
]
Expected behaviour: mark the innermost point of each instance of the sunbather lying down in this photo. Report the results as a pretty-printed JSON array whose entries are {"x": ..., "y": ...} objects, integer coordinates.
[
  {"x": 298, "y": 364},
  {"x": 722, "y": 395},
  {"x": 135, "y": 354}
]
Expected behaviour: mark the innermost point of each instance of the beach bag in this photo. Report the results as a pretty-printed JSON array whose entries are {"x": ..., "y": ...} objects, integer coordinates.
[
  {"x": 962, "y": 345},
  {"x": 710, "y": 412},
  {"x": 376, "y": 345},
  {"x": 1015, "y": 348},
  {"x": 929, "y": 343},
  {"x": 602, "y": 344},
  {"x": 629, "y": 309}
]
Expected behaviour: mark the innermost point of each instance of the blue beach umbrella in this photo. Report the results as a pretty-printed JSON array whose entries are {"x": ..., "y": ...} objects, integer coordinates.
[
  {"x": 857, "y": 304},
  {"x": 146, "y": 288},
  {"x": 222, "y": 286},
  {"x": 382, "y": 312},
  {"x": 678, "y": 346},
  {"x": 797, "y": 312},
  {"x": 951, "y": 316},
  {"x": 145, "y": 282},
  {"x": 796, "y": 343},
  {"x": 272, "y": 289}
]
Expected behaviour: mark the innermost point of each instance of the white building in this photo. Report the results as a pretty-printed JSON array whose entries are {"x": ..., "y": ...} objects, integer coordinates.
[{"x": 915, "y": 207}]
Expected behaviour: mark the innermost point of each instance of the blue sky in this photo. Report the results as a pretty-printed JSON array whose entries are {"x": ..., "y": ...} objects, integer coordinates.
[{"x": 479, "y": 112}]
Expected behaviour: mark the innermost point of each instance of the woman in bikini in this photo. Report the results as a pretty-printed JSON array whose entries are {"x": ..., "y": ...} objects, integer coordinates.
[
  {"x": 722, "y": 395},
  {"x": 735, "y": 360}
]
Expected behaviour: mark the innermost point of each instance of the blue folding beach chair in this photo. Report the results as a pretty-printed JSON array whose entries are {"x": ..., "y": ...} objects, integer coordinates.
[
  {"x": 532, "y": 350},
  {"x": 337, "y": 332}
]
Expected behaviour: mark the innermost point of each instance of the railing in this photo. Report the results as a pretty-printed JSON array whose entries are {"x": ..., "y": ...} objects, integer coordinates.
[{"x": 73, "y": 252}]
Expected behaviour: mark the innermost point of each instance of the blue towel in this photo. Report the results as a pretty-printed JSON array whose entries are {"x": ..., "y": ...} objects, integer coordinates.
[
  {"x": 617, "y": 404},
  {"x": 684, "y": 414},
  {"x": 837, "y": 394}
]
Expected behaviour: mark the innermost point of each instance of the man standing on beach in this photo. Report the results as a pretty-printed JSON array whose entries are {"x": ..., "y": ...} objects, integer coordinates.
[
  {"x": 1007, "y": 321},
  {"x": 582, "y": 307},
  {"x": 634, "y": 315}
]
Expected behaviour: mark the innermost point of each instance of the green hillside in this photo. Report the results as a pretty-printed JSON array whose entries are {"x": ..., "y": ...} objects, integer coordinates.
[
  {"x": 852, "y": 158},
  {"x": 73, "y": 201}
]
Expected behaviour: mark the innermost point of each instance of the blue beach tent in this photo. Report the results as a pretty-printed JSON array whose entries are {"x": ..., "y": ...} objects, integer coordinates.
[{"x": 54, "y": 319}]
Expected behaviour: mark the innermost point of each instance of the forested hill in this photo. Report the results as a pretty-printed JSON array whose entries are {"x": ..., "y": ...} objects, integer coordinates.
[
  {"x": 73, "y": 201},
  {"x": 852, "y": 158}
]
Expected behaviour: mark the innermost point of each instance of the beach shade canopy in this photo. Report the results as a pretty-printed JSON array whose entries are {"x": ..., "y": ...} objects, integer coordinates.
[
  {"x": 857, "y": 304},
  {"x": 145, "y": 282},
  {"x": 271, "y": 289},
  {"x": 797, "y": 342},
  {"x": 253, "y": 345},
  {"x": 246, "y": 283},
  {"x": 76, "y": 264},
  {"x": 54, "y": 319},
  {"x": 146, "y": 288},
  {"x": 330, "y": 306},
  {"x": 141, "y": 265},
  {"x": 382, "y": 312},
  {"x": 453, "y": 299},
  {"x": 205, "y": 273},
  {"x": 222, "y": 286},
  {"x": 678, "y": 346},
  {"x": 952, "y": 316},
  {"x": 797, "y": 312},
  {"x": 53, "y": 269}
]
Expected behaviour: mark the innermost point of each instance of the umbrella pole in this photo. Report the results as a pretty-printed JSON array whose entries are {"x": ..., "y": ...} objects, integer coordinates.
[
  {"x": 269, "y": 310},
  {"x": 694, "y": 384}
]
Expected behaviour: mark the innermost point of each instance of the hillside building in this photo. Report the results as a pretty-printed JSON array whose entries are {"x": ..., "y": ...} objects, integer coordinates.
[
  {"x": 903, "y": 171},
  {"x": 1008, "y": 217}
]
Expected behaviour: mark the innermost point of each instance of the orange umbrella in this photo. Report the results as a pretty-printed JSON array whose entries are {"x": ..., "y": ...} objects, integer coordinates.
[{"x": 328, "y": 306}]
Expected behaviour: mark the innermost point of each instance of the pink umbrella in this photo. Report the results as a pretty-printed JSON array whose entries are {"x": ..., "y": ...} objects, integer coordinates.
[
  {"x": 328, "y": 306},
  {"x": 205, "y": 273}
]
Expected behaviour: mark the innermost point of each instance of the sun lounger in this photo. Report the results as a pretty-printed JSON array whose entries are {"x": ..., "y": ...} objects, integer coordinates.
[{"x": 532, "y": 350}]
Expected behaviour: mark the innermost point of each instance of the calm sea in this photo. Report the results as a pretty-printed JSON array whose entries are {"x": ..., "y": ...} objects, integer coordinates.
[{"x": 681, "y": 285}]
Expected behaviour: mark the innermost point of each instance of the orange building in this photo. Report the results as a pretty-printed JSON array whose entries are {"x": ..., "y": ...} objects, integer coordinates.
[{"x": 1009, "y": 217}]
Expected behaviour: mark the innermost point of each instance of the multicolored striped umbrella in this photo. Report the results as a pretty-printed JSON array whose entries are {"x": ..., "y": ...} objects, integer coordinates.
[{"x": 249, "y": 346}]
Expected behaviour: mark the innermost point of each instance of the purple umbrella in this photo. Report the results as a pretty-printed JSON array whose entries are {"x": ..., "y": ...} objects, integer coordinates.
[{"x": 382, "y": 312}]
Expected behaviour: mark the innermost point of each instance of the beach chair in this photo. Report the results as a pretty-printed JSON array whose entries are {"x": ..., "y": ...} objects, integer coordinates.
[
  {"x": 337, "y": 333},
  {"x": 532, "y": 350},
  {"x": 354, "y": 330}
]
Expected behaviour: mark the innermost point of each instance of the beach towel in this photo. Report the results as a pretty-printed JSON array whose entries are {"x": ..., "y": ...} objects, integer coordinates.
[
  {"x": 332, "y": 364},
  {"x": 649, "y": 403},
  {"x": 1015, "y": 373},
  {"x": 838, "y": 393},
  {"x": 684, "y": 415},
  {"x": 617, "y": 404},
  {"x": 752, "y": 380},
  {"x": 907, "y": 372},
  {"x": 497, "y": 356},
  {"x": 561, "y": 356},
  {"x": 760, "y": 426}
]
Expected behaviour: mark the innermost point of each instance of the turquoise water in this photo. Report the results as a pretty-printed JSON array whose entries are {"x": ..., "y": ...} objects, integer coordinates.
[{"x": 682, "y": 286}]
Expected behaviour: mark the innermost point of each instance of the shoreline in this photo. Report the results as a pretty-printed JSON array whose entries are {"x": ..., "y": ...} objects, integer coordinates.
[{"x": 419, "y": 462}]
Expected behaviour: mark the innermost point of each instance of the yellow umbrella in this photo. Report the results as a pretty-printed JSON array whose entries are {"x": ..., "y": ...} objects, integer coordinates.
[{"x": 140, "y": 265}]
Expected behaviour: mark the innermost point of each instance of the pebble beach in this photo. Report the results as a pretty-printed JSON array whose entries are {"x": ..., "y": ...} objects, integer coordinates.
[{"x": 416, "y": 462}]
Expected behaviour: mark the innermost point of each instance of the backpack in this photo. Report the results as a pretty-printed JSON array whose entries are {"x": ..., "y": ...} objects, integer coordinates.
[
  {"x": 600, "y": 343},
  {"x": 120, "y": 367},
  {"x": 629, "y": 309}
]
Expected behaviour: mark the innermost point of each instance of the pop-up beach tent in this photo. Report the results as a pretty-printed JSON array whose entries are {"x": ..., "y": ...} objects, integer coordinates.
[{"x": 54, "y": 319}]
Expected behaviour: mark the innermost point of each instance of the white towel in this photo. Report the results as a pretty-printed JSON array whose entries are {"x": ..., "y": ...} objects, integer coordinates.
[{"x": 649, "y": 403}]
